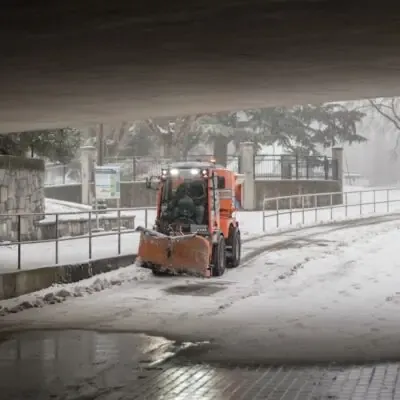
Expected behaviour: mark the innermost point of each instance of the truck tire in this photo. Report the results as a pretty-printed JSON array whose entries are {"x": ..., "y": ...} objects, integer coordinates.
[
  {"x": 235, "y": 243},
  {"x": 219, "y": 257}
]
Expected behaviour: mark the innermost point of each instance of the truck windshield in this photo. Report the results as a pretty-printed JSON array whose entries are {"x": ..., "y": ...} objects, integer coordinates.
[{"x": 178, "y": 187}]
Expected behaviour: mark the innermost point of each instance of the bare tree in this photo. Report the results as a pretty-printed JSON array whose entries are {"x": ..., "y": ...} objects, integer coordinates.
[
  {"x": 390, "y": 110},
  {"x": 176, "y": 136}
]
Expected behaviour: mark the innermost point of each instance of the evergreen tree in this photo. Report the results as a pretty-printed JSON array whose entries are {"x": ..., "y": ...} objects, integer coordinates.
[
  {"x": 302, "y": 129},
  {"x": 307, "y": 129},
  {"x": 57, "y": 145}
]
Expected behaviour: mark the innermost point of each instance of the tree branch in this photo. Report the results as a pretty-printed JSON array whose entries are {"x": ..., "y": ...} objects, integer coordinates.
[
  {"x": 152, "y": 126},
  {"x": 393, "y": 108},
  {"x": 394, "y": 120}
]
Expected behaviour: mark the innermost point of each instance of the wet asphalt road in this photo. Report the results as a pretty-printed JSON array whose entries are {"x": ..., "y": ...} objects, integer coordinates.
[{"x": 82, "y": 365}]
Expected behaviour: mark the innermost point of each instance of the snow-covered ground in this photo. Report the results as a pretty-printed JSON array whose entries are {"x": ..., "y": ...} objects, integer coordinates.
[
  {"x": 356, "y": 203},
  {"x": 76, "y": 211},
  {"x": 333, "y": 286},
  {"x": 61, "y": 206},
  {"x": 37, "y": 255}
]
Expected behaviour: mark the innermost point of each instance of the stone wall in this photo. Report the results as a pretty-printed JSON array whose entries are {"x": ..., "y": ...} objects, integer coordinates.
[
  {"x": 277, "y": 188},
  {"x": 70, "y": 192},
  {"x": 21, "y": 191},
  {"x": 133, "y": 194},
  {"x": 18, "y": 283}
]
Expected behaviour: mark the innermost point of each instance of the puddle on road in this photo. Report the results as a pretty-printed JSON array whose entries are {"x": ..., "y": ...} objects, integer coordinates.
[
  {"x": 205, "y": 289},
  {"x": 44, "y": 364}
]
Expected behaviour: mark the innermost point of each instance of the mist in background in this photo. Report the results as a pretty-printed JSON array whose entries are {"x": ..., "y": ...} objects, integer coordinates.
[{"x": 378, "y": 159}]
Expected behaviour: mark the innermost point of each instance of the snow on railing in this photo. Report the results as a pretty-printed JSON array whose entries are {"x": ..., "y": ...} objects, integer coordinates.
[{"x": 316, "y": 208}]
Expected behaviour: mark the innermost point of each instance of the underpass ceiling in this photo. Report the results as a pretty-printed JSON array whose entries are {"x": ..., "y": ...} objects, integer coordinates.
[{"x": 90, "y": 62}]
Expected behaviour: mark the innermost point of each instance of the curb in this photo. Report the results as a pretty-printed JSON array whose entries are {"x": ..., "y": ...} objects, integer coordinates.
[{"x": 18, "y": 283}]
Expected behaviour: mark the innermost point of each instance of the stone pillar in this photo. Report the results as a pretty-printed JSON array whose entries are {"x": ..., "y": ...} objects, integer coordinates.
[
  {"x": 88, "y": 154},
  {"x": 287, "y": 166},
  {"x": 337, "y": 154},
  {"x": 247, "y": 169}
]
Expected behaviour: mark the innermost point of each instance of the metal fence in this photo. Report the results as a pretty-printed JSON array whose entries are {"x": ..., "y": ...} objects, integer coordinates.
[
  {"x": 19, "y": 249},
  {"x": 323, "y": 207},
  {"x": 288, "y": 166},
  {"x": 266, "y": 166}
]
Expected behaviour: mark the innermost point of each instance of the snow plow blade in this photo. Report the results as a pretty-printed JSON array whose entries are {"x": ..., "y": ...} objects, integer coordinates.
[{"x": 187, "y": 254}]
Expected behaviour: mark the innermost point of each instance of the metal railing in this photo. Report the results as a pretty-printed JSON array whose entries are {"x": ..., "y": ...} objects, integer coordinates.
[
  {"x": 17, "y": 233},
  {"x": 266, "y": 166},
  {"x": 106, "y": 235},
  {"x": 294, "y": 166},
  {"x": 315, "y": 208}
]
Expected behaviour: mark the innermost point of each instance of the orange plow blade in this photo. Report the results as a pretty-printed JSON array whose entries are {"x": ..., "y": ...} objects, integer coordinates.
[{"x": 176, "y": 254}]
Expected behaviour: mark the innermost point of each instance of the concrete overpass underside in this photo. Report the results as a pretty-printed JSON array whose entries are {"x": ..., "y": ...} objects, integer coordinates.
[{"x": 84, "y": 62}]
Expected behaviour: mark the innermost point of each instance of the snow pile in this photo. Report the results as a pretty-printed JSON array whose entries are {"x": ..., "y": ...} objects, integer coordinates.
[
  {"x": 59, "y": 206},
  {"x": 75, "y": 211},
  {"x": 60, "y": 292}
]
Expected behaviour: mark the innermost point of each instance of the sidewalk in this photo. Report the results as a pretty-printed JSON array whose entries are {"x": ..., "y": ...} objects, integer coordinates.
[{"x": 37, "y": 255}]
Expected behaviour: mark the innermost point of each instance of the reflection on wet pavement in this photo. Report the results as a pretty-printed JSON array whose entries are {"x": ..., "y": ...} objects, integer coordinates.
[
  {"x": 80, "y": 365},
  {"x": 42, "y": 365}
]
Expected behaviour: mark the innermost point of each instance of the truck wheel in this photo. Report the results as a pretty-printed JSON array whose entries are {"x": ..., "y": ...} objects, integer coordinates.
[
  {"x": 219, "y": 257},
  {"x": 233, "y": 258}
]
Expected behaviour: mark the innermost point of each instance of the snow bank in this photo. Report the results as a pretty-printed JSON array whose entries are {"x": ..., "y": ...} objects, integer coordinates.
[
  {"x": 75, "y": 211},
  {"x": 60, "y": 292},
  {"x": 55, "y": 206}
]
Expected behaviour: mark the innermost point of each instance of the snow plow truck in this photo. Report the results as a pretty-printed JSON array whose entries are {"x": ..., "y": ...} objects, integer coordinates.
[{"x": 195, "y": 232}]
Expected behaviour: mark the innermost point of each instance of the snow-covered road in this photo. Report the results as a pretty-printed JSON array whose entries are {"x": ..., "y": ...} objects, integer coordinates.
[{"x": 328, "y": 292}]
